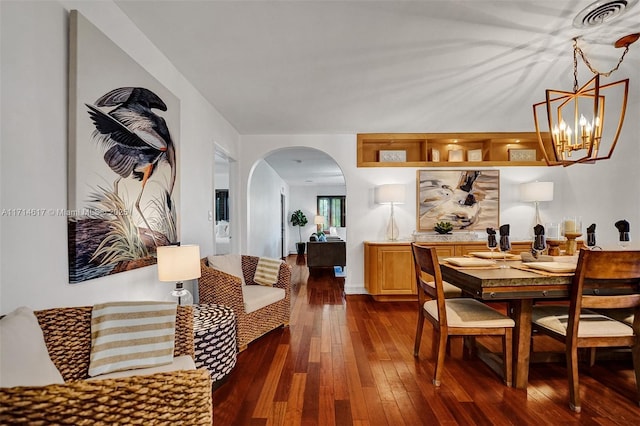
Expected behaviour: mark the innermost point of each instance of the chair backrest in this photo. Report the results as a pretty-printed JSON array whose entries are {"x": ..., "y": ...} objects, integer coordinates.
[
  {"x": 425, "y": 260},
  {"x": 67, "y": 334},
  {"x": 605, "y": 280}
]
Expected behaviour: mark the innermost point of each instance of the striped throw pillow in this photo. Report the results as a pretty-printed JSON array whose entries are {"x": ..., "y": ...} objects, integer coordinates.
[
  {"x": 130, "y": 335},
  {"x": 267, "y": 271}
]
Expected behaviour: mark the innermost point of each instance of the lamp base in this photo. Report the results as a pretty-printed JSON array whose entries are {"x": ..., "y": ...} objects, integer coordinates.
[
  {"x": 392, "y": 229},
  {"x": 183, "y": 295}
]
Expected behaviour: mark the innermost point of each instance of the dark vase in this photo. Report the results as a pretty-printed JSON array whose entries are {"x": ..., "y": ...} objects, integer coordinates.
[{"x": 300, "y": 247}]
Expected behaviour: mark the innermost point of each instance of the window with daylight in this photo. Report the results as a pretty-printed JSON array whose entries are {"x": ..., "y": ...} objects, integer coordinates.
[{"x": 333, "y": 208}]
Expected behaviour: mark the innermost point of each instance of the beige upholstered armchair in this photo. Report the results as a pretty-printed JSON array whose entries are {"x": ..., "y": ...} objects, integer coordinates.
[{"x": 222, "y": 288}]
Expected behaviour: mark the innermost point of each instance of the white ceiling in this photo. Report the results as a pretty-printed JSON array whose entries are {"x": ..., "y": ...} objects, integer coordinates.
[
  {"x": 326, "y": 67},
  {"x": 306, "y": 166}
]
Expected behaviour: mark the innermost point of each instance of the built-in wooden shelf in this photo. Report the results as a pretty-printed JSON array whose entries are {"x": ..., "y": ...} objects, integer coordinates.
[{"x": 440, "y": 149}]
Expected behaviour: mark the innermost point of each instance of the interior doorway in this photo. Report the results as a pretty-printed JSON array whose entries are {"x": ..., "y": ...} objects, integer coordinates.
[
  {"x": 222, "y": 212},
  {"x": 283, "y": 226},
  {"x": 308, "y": 173}
]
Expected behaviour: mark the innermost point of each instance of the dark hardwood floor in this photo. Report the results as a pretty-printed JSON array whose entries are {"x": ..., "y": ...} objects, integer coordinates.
[{"x": 347, "y": 360}]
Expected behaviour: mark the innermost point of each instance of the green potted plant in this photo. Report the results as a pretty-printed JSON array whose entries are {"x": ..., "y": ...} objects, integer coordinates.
[
  {"x": 443, "y": 227},
  {"x": 299, "y": 219}
]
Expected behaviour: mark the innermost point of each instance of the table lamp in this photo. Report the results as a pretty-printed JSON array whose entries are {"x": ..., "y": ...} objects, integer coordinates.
[
  {"x": 178, "y": 263},
  {"x": 318, "y": 221},
  {"x": 536, "y": 192},
  {"x": 390, "y": 194}
]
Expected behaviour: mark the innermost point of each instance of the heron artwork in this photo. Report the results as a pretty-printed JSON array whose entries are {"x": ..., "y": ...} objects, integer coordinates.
[{"x": 136, "y": 142}]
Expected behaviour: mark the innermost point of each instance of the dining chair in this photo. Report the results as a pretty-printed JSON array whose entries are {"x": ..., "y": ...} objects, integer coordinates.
[
  {"x": 603, "y": 280},
  {"x": 450, "y": 290},
  {"x": 456, "y": 316}
]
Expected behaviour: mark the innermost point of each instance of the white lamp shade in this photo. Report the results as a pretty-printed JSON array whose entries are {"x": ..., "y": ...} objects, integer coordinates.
[
  {"x": 390, "y": 193},
  {"x": 318, "y": 220},
  {"x": 178, "y": 263},
  {"x": 536, "y": 191}
]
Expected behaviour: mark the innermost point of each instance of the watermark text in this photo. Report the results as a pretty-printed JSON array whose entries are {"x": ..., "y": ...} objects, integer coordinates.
[{"x": 34, "y": 212}]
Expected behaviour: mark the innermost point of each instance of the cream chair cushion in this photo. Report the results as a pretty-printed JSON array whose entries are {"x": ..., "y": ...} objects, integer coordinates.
[
  {"x": 592, "y": 324},
  {"x": 469, "y": 313},
  {"x": 258, "y": 296},
  {"x": 24, "y": 359},
  {"x": 622, "y": 315},
  {"x": 228, "y": 263}
]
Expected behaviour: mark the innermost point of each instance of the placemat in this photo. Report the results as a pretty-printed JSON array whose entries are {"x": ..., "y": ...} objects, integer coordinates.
[
  {"x": 493, "y": 256},
  {"x": 545, "y": 273},
  {"x": 497, "y": 259},
  {"x": 451, "y": 265}
]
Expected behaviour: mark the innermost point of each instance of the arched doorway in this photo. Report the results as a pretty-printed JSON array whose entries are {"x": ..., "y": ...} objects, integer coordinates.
[{"x": 304, "y": 173}]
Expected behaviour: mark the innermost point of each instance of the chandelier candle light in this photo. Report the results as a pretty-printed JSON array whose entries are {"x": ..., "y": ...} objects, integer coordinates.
[
  {"x": 576, "y": 120},
  {"x": 178, "y": 263},
  {"x": 390, "y": 194}
]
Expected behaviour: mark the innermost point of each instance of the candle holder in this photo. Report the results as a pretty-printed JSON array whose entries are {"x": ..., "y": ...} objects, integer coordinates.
[
  {"x": 572, "y": 229},
  {"x": 554, "y": 239},
  {"x": 572, "y": 244},
  {"x": 554, "y": 246}
]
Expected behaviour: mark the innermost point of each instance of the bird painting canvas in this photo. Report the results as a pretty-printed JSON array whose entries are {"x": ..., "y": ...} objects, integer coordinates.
[
  {"x": 468, "y": 199},
  {"x": 123, "y": 168}
]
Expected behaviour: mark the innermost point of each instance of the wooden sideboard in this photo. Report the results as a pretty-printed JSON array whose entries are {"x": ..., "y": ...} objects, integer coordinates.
[{"x": 389, "y": 274}]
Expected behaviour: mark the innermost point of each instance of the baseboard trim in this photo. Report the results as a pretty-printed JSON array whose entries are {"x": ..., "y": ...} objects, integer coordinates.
[{"x": 351, "y": 289}]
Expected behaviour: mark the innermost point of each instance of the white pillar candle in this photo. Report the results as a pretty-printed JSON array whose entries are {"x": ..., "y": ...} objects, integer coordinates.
[
  {"x": 572, "y": 225},
  {"x": 569, "y": 225}
]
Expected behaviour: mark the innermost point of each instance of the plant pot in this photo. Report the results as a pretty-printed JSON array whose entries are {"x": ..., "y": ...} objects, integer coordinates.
[{"x": 300, "y": 247}]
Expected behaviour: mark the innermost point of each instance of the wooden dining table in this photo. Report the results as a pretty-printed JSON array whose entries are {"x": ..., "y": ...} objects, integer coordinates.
[{"x": 518, "y": 287}]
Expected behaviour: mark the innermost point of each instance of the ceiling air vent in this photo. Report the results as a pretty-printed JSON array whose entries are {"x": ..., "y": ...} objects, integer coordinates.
[{"x": 601, "y": 12}]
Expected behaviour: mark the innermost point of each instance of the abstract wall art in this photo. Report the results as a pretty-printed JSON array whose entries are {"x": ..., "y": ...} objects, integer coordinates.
[{"x": 468, "y": 199}]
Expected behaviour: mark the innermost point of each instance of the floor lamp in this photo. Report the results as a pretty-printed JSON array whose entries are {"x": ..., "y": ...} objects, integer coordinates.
[
  {"x": 536, "y": 192},
  {"x": 390, "y": 194}
]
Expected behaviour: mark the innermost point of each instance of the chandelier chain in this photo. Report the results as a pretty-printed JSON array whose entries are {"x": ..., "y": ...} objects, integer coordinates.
[
  {"x": 577, "y": 50},
  {"x": 575, "y": 66}
]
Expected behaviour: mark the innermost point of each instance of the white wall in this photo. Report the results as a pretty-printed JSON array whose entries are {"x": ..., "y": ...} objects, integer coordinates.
[
  {"x": 33, "y": 155},
  {"x": 221, "y": 178},
  {"x": 264, "y": 189}
]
